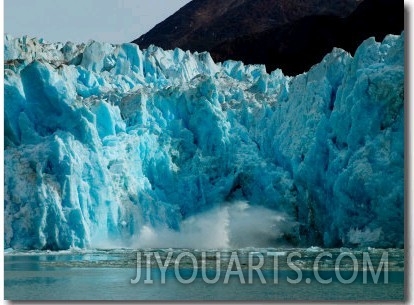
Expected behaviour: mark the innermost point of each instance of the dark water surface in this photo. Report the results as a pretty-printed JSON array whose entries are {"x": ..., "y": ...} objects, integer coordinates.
[{"x": 107, "y": 274}]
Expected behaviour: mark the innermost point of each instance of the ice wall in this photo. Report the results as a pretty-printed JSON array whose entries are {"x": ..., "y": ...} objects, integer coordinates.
[{"x": 103, "y": 142}]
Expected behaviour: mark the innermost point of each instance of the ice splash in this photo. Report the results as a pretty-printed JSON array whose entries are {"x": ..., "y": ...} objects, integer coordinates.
[
  {"x": 233, "y": 225},
  {"x": 206, "y": 230},
  {"x": 257, "y": 226}
]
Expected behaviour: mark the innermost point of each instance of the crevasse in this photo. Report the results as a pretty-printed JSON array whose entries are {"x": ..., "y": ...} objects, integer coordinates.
[{"x": 106, "y": 142}]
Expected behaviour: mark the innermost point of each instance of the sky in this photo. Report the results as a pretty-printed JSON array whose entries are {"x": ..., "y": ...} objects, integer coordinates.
[{"x": 113, "y": 21}]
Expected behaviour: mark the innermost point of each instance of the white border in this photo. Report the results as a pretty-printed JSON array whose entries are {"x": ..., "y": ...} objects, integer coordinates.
[{"x": 409, "y": 228}]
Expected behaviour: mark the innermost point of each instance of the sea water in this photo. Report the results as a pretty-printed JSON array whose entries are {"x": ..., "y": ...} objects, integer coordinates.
[{"x": 285, "y": 274}]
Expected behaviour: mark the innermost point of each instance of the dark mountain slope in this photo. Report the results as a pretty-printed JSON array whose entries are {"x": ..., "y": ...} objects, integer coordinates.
[
  {"x": 291, "y": 35},
  {"x": 297, "y": 46},
  {"x": 202, "y": 24}
]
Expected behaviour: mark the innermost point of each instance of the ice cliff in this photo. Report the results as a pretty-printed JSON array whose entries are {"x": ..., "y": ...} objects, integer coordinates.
[{"x": 105, "y": 142}]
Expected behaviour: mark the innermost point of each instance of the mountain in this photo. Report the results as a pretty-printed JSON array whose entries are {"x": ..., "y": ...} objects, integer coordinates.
[
  {"x": 292, "y": 35},
  {"x": 296, "y": 46},
  {"x": 202, "y": 24},
  {"x": 110, "y": 145}
]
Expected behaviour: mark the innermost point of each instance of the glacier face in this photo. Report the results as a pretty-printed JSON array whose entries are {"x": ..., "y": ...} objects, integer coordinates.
[{"x": 105, "y": 143}]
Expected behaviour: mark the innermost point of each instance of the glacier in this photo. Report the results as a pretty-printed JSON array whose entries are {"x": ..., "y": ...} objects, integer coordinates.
[{"x": 110, "y": 144}]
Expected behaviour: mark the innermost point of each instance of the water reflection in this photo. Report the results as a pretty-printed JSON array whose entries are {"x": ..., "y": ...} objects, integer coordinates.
[{"x": 107, "y": 274}]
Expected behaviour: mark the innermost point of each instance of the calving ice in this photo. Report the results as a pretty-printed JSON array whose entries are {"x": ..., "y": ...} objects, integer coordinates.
[{"x": 110, "y": 145}]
